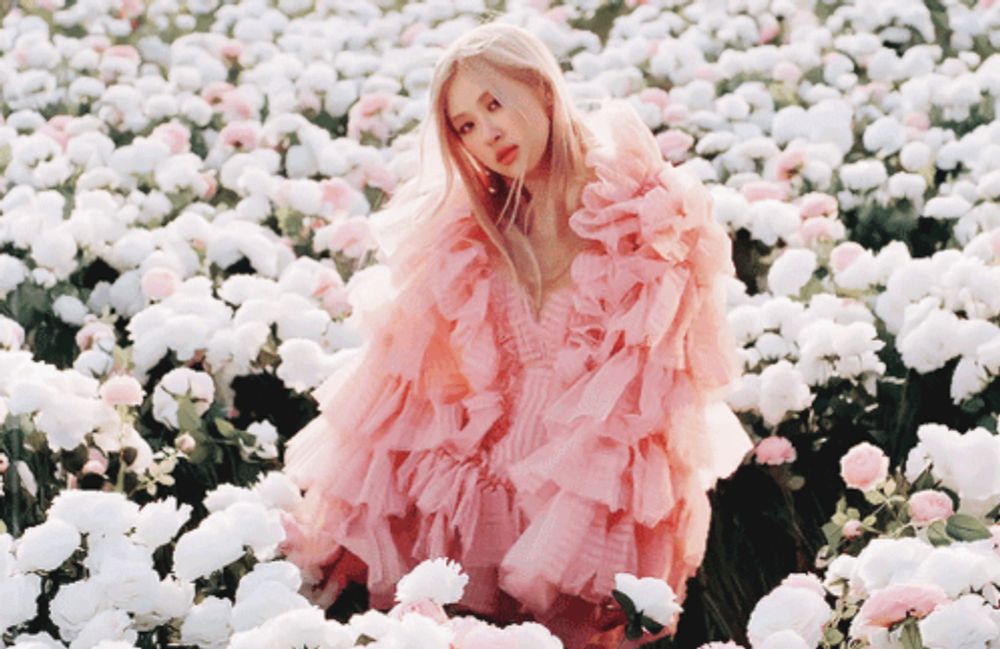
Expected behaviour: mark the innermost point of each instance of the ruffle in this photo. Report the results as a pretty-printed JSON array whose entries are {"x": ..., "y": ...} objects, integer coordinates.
[
  {"x": 621, "y": 485},
  {"x": 405, "y": 439}
]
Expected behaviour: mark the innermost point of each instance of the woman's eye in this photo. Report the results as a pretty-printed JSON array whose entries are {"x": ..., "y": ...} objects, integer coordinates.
[
  {"x": 465, "y": 129},
  {"x": 494, "y": 104}
]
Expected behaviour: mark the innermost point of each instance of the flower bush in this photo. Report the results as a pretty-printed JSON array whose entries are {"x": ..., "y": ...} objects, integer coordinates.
[{"x": 186, "y": 237}]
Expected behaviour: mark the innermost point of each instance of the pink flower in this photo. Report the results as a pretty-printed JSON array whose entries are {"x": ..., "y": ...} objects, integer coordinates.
[
  {"x": 351, "y": 236},
  {"x": 240, "y": 135},
  {"x": 844, "y": 255},
  {"x": 851, "y": 530},
  {"x": 96, "y": 463},
  {"x": 817, "y": 204},
  {"x": 185, "y": 443},
  {"x": 213, "y": 92},
  {"x": 674, "y": 144},
  {"x": 819, "y": 228},
  {"x": 424, "y": 607},
  {"x": 896, "y": 602},
  {"x": 122, "y": 390},
  {"x": 786, "y": 71},
  {"x": 124, "y": 52},
  {"x": 656, "y": 96},
  {"x": 917, "y": 120},
  {"x": 759, "y": 190},
  {"x": 4, "y": 463},
  {"x": 231, "y": 50},
  {"x": 211, "y": 185},
  {"x": 235, "y": 106},
  {"x": 995, "y": 243},
  {"x": 336, "y": 192},
  {"x": 806, "y": 581},
  {"x": 410, "y": 34},
  {"x": 864, "y": 466},
  {"x": 95, "y": 332},
  {"x": 928, "y": 506},
  {"x": 788, "y": 163},
  {"x": 768, "y": 32},
  {"x": 707, "y": 72},
  {"x": 174, "y": 135},
  {"x": 159, "y": 283},
  {"x": 774, "y": 450}
]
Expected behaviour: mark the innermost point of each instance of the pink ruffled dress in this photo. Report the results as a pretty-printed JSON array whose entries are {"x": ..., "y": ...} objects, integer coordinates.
[{"x": 545, "y": 455}]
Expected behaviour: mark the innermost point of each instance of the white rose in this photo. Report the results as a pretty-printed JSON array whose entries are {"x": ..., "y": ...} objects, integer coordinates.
[
  {"x": 915, "y": 156},
  {"x": 782, "y": 390},
  {"x": 884, "y": 136},
  {"x": 111, "y": 624},
  {"x": 19, "y": 593},
  {"x": 960, "y": 568},
  {"x": 158, "y": 522},
  {"x": 791, "y": 271},
  {"x": 653, "y": 597},
  {"x": 863, "y": 175},
  {"x": 130, "y": 585},
  {"x": 439, "y": 580},
  {"x": 784, "y": 640},
  {"x": 46, "y": 546},
  {"x": 95, "y": 512},
  {"x": 207, "y": 623},
  {"x": 264, "y": 603},
  {"x": 277, "y": 490},
  {"x": 214, "y": 544},
  {"x": 888, "y": 561},
  {"x": 74, "y": 605},
  {"x": 964, "y": 624},
  {"x": 789, "y": 608},
  {"x": 946, "y": 207}
]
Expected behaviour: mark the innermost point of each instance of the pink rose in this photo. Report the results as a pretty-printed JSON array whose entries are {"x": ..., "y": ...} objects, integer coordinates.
[
  {"x": 656, "y": 96},
  {"x": 213, "y": 92},
  {"x": 122, "y": 390},
  {"x": 759, "y": 190},
  {"x": 235, "y": 106},
  {"x": 231, "y": 50},
  {"x": 159, "y": 283},
  {"x": 928, "y": 506},
  {"x": 774, "y": 450},
  {"x": 918, "y": 121},
  {"x": 174, "y": 135},
  {"x": 96, "y": 463},
  {"x": 864, "y": 466},
  {"x": 336, "y": 192},
  {"x": 95, "y": 333},
  {"x": 788, "y": 163},
  {"x": 896, "y": 602},
  {"x": 806, "y": 581},
  {"x": 820, "y": 228},
  {"x": 768, "y": 32},
  {"x": 352, "y": 236},
  {"x": 851, "y": 530},
  {"x": 844, "y": 255},
  {"x": 817, "y": 204},
  {"x": 674, "y": 144},
  {"x": 786, "y": 71},
  {"x": 240, "y": 135},
  {"x": 424, "y": 607}
]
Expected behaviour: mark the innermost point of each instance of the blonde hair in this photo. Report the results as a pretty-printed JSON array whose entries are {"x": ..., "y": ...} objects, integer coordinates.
[{"x": 497, "y": 48}]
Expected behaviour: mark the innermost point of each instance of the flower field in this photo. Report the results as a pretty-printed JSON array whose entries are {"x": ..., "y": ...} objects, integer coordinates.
[{"x": 187, "y": 248}]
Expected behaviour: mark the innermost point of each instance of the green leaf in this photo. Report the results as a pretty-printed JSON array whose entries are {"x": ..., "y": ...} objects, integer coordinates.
[
  {"x": 937, "y": 534},
  {"x": 625, "y": 602},
  {"x": 833, "y": 636},
  {"x": 874, "y": 497},
  {"x": 187, "y": 416},
  {"x": 364, "y": 640},
  {"x": 963, "y": 527},
  {"x": 833, "y": 534},
  {"x": 225, "y": 428}
]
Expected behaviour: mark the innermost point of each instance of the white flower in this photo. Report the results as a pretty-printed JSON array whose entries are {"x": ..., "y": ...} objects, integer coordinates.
[
  {"x": 946, "y": 207},
  {"x": 885, "y": 136},
  {"x": 70, "y": 310},
  {"x": 293, "y": 629},
  {"x": 784, "y": 640},
  {"x": 791, "y": 271},
  {"x": 258, "y": 527},
  {"x": 927, "y": 344},
  {"x": 782, "y": 390},
  {"x": 863, "y": 175},
  {"x": 46, "y": 546},
  {"x": 910, "y": 186},
  {"x": 965, "y": 463},
  {"x": 207, "y": 623},
  {"x": 101, "y": 513},
  {"x": 179, "y": 382},
  {"x": 159, "y": 522},
  {"x": 213, "y": 545},
  {"x": 19, "y": 593},
  {"x": 278, "y": 491},
  {"x": 74, "y": 605},
  {"x": 261, "y": 604},
  {"x": 439, "y": 580},
  {"x": 653, "y": 597},
  {"x": 128, "y": 583},
  {"x": 915, "y": 156},
  {"x": 888, "y": 561},
  {"x": 963, "y": 624},
  {"x": 304, "y": 364},
  {"x": 960, "y": 568},
  {"x": 112, "y": 624},
  {"x": 789, "y": 608}
]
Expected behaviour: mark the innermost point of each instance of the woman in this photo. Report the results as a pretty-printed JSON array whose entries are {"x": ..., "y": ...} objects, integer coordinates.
[{"x": 541, "y": 398}]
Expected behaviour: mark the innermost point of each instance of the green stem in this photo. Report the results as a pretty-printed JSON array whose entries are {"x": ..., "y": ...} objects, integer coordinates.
[{"x": 14, "y": 479}]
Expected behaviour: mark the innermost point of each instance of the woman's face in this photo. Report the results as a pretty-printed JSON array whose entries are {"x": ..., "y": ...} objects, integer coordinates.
[{"x": 509, "y": 135}]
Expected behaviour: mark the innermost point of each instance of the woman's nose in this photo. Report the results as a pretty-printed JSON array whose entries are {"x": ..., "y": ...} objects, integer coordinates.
[{"x": 492, "y": 131}]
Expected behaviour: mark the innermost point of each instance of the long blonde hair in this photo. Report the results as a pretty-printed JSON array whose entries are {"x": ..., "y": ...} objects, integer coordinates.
[{"x": 496, "y": 48}]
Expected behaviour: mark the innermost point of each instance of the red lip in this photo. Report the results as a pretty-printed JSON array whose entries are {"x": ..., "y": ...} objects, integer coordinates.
[{"x": 508, "y": 155}]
